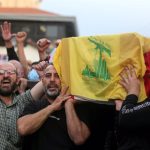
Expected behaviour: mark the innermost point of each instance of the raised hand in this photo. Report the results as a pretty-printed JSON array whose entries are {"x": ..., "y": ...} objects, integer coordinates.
[
  {"x": 130, "y": 81},
  {"x": 61, "y": 99},
  {"x": 43, "y": 44},
  {"x": 20, "y": 37},
  {"x": 40, "y": 67},
  {"x": 57, "y": 42},
  {"x": 6, "y": 31}
]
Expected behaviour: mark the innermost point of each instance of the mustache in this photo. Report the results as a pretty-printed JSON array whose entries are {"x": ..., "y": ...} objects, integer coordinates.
[
  {"x": 52, "y": 86},
  {"x": 6, "y": 80}
]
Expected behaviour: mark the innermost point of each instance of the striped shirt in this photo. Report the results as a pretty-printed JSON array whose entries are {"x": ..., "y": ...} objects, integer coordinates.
[{"x": 9, "y": 137}]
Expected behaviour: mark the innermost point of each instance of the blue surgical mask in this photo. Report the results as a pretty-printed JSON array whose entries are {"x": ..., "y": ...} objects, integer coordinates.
[{"x": 33, "y": 75}]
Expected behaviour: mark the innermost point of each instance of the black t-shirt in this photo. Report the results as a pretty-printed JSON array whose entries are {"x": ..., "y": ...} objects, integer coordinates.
[
  {"x": 53, "y": 133},
  {"x": 134, "y": 123}
]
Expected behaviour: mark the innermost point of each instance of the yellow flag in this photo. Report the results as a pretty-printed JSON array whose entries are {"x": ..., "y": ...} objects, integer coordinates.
[{"x": 91, "y": 65}]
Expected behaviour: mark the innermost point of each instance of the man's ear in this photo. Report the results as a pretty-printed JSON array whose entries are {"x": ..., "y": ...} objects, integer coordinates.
[{"x": 18, "y": 81}]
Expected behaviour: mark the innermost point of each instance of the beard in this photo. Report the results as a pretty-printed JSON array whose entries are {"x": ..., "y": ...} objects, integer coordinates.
[
  {"x": 8, "y": 92},
  {"x": 52, "y": 94}
]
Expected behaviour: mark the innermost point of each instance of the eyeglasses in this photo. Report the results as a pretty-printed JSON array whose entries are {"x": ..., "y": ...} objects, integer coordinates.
[{"x": 9, "y": 72}]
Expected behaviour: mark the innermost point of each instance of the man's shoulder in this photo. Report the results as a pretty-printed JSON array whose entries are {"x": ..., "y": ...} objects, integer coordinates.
[
  {"x": 23, "y": 95},
  {"x": 38, "y": 104},
  {"x": 34, "y": 107}
]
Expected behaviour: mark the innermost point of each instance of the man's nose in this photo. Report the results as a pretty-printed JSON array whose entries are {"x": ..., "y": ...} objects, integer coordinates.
[
  {"x": 52, "y": 78},
  {"x": 6, "y": 74}
]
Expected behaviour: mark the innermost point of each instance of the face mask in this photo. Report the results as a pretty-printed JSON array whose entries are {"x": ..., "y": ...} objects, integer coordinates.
[{"x": 33, "y": 75}]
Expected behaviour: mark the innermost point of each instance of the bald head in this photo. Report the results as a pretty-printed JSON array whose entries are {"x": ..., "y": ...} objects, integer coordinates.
[
  {"x": 19, "y": 67},
  {"x": 7, "y": 65}
]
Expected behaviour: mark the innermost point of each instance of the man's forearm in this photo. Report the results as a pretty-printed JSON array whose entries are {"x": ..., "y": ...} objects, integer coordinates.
[
  {"x": 8, "y": 44},
  {"x": 77, "y": 130},
  {"x": 31, "y": 123},
  {"x": 42, "y": 56},
  {"x": 37, "y": 91}
]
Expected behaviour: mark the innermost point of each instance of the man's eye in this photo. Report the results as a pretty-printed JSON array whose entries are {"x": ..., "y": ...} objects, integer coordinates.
[
  {"x": 56, "y": 75},
  {"x": 47, "y": 75},
  {"x": 11, "y": 72}
]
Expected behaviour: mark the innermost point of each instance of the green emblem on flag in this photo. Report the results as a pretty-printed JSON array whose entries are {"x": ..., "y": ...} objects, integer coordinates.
[{"x": 100, "y": 64}]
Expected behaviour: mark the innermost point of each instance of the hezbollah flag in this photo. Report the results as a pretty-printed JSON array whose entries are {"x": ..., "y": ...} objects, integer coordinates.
[{"x": 91, "y": 65}]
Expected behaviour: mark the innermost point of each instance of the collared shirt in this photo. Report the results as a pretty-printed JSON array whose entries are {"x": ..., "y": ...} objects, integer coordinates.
[{"x": 9, "y": 137}]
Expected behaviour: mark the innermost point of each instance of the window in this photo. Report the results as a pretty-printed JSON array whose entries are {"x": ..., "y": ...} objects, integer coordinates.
[{"x": 46, "y": 29}]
